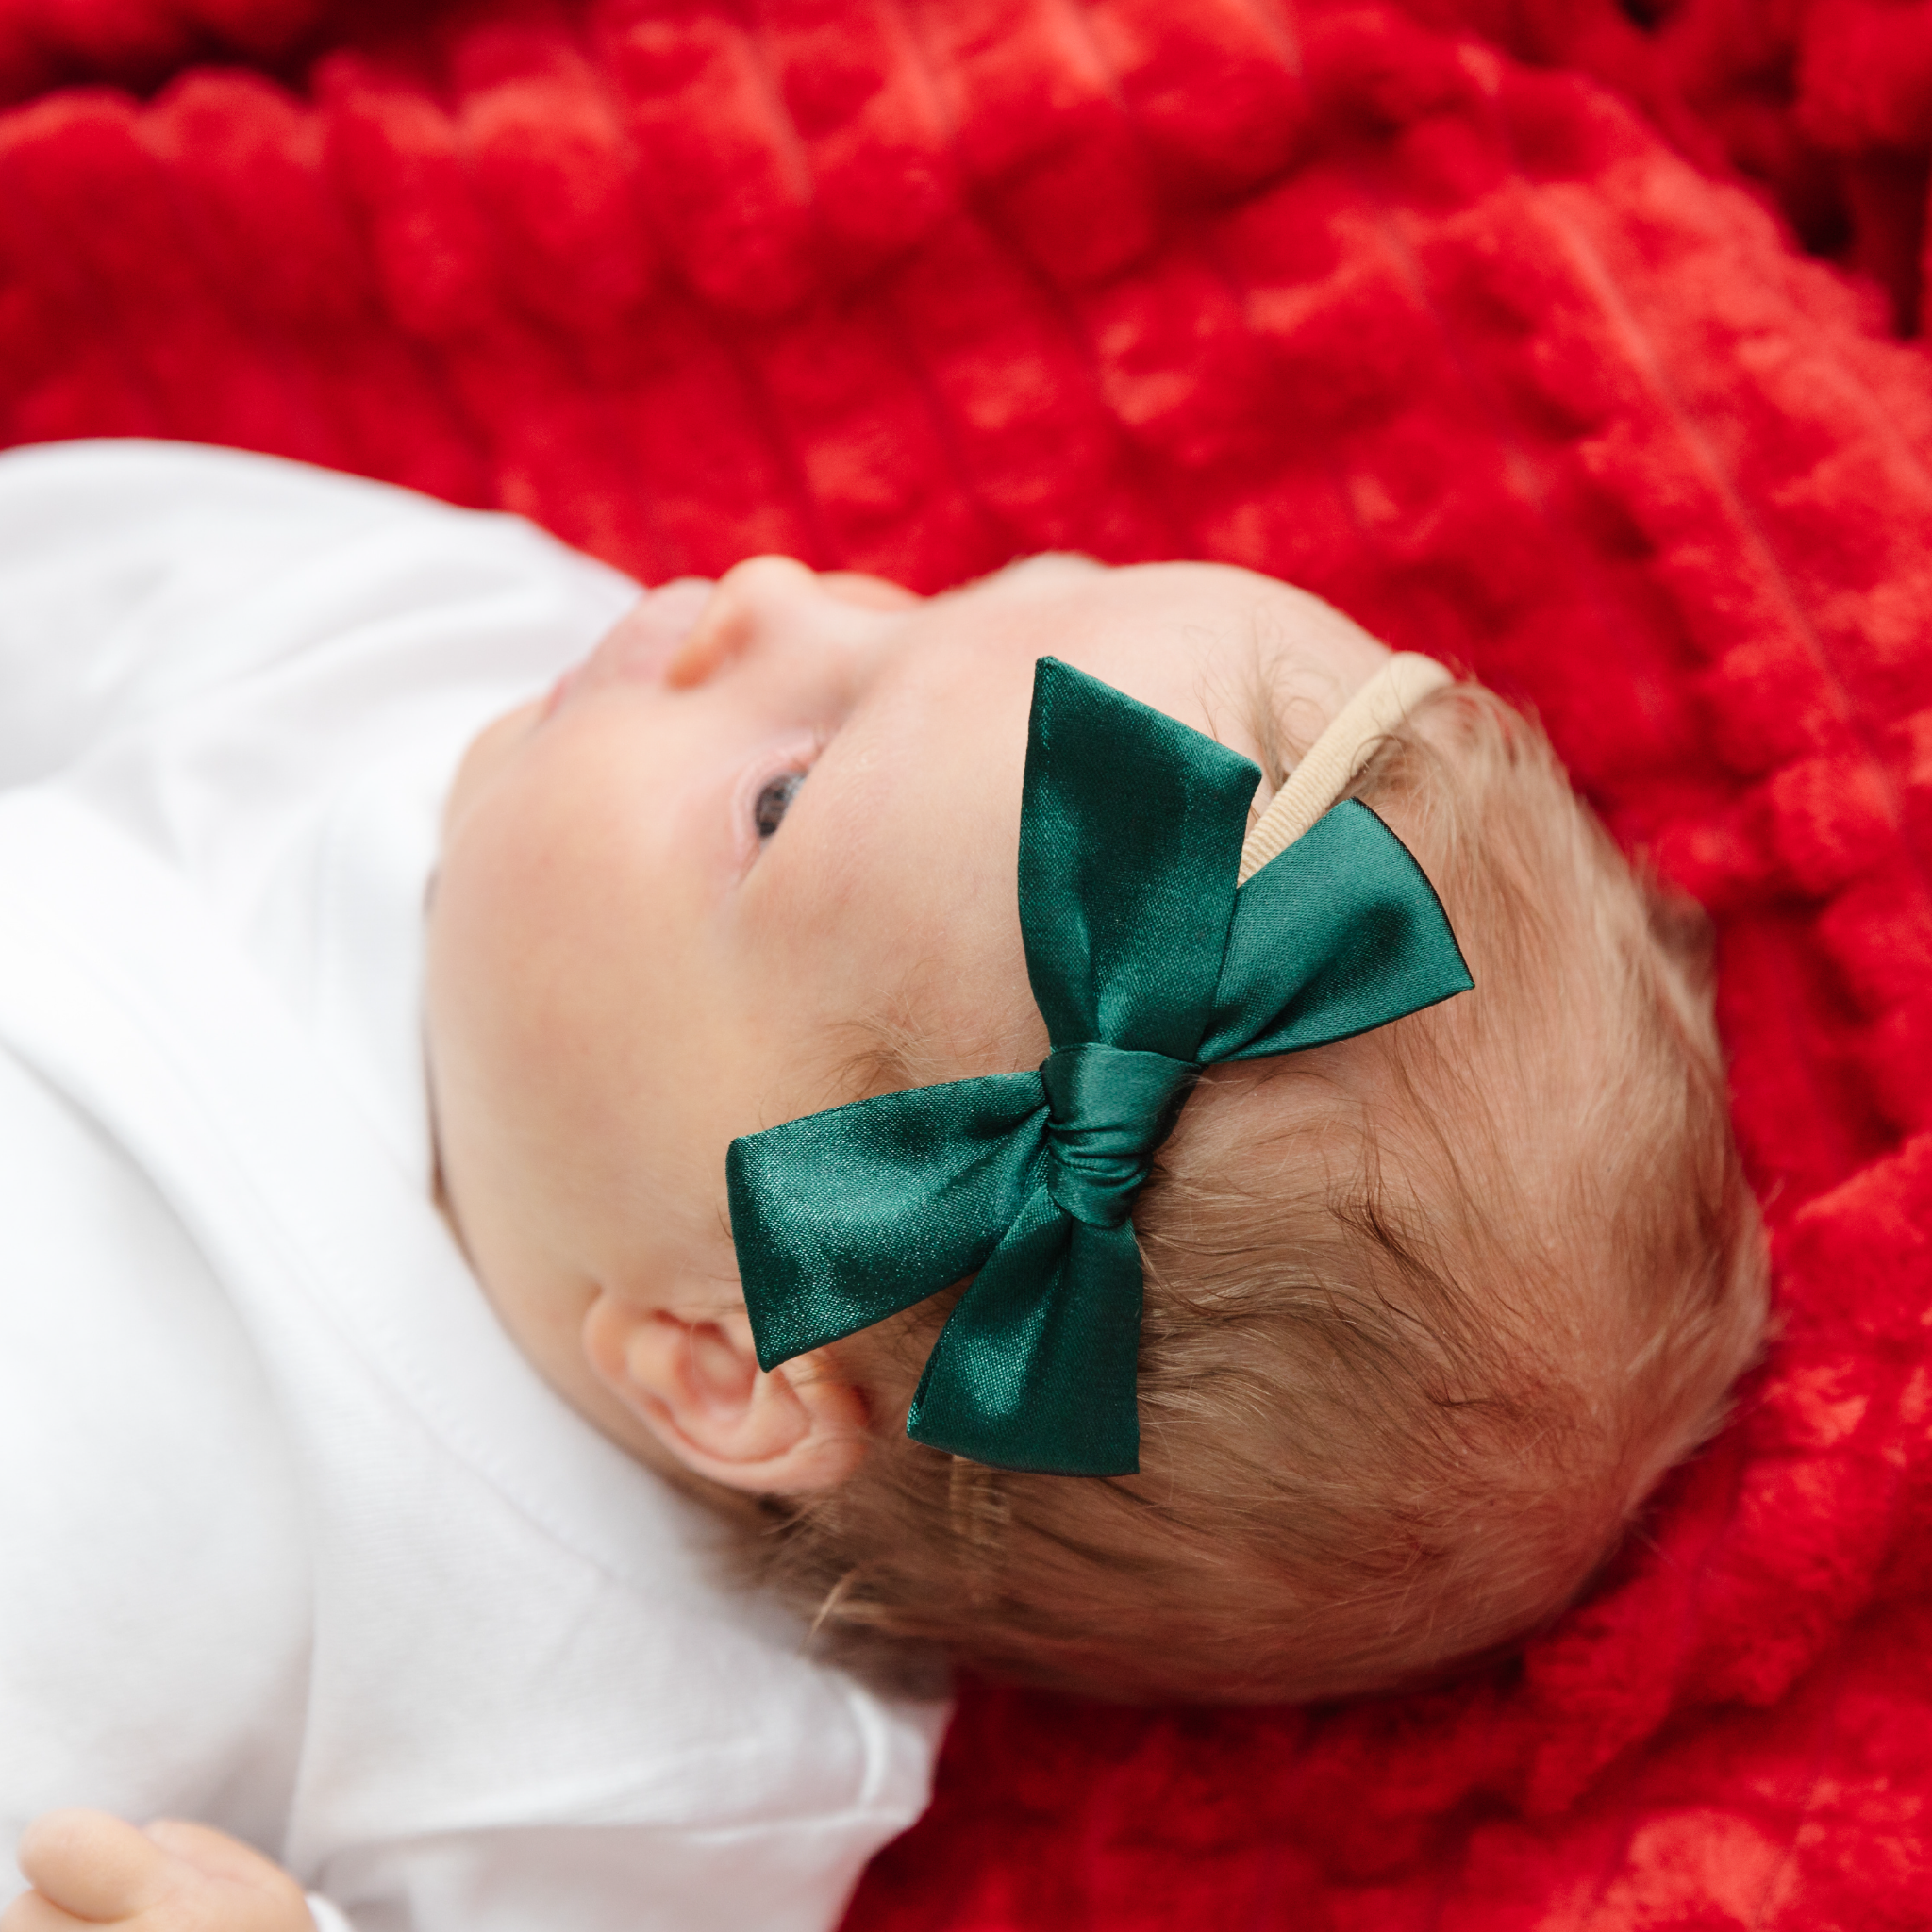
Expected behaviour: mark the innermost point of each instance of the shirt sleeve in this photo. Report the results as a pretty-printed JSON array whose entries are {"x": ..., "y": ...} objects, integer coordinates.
[
  {"x": 118, "y": 560},
  {"x": 794, "y": 1876}
]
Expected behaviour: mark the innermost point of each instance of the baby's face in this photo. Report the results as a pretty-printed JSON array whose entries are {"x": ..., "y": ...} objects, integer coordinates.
[{"x": 767, "y": 823}]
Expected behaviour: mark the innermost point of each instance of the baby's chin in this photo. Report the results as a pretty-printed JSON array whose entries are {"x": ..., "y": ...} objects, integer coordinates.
[{"x": 488, "y": 752}]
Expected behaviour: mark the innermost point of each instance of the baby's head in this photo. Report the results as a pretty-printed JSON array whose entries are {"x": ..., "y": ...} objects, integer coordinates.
[{"x": 1427, "y": 1310}]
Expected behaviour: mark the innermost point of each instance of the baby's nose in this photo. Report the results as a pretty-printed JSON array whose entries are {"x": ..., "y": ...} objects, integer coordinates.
[
  {"x": 775, "y": 615},
  {"x": 648, "y": 636},
  {"x": 749, "y": 604}
]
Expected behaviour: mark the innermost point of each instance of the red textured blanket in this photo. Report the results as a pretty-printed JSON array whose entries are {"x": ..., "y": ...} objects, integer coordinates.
[{"x": 1455, "y": 313}]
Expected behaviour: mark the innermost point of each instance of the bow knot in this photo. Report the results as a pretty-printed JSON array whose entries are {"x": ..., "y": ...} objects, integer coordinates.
[{"x": 1109, "y": 1108}]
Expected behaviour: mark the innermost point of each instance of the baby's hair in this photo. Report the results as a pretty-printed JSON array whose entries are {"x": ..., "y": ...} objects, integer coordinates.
[{"x": 1428, "y": 1312}]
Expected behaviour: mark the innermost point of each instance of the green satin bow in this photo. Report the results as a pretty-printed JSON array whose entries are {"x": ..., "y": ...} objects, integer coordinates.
[{"x": 1147, "y": 964}]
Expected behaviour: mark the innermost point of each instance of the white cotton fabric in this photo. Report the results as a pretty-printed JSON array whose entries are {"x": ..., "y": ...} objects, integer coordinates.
[{"x": 292, "y": 1539}]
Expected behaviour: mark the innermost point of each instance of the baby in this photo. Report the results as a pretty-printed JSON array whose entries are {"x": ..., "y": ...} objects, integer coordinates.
[{"x": 1430, "y": 1291}]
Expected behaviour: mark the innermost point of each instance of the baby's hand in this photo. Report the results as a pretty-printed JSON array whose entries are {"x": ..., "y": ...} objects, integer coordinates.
[{"x": 88, "y": 1869}]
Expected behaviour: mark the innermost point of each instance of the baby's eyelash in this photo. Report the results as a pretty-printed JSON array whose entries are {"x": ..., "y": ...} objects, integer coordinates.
[{"x": 774, "y": 800}]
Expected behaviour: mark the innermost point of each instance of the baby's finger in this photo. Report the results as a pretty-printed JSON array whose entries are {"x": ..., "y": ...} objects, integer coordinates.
[
  {"x": 95, "y": 1866},
  {"x": 30, "y": 1912},
  {"x": 215, "y": 1855}
]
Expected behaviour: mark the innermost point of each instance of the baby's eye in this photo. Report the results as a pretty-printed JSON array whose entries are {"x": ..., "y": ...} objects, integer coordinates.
[{"x": 774, "y": 801}]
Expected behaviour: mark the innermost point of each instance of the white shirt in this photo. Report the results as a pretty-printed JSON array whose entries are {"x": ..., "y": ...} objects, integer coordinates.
[{"x": 292, "y": 1539}]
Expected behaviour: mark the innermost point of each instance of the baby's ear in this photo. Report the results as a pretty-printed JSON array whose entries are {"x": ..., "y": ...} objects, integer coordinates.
[{"x": 693, "y": 1380}]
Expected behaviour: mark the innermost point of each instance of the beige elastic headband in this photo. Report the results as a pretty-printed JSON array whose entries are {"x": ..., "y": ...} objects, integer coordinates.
[{"x": 1339, "y": 754}]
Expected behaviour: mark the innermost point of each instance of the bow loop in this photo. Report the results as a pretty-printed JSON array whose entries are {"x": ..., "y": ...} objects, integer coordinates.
[
  {"x": 1131, "y": 830},
  {"x": 1109, "y": 1108}
]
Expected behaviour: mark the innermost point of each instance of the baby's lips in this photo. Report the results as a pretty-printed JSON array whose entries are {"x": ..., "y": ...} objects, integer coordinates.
[{"x": 643, "y": 641}]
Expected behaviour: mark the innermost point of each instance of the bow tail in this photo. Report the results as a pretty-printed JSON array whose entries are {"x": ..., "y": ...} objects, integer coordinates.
[
  {"x": 844, "y": 1217},
  {"x": 1036, "y": 1367}
]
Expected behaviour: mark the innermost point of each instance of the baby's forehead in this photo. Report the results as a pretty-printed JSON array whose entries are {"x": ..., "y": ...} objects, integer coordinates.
[
  {"x": 1249, "y": 661},
  {"x": 1172, "y": 624},
  {"x": 1155, "y": 591}
]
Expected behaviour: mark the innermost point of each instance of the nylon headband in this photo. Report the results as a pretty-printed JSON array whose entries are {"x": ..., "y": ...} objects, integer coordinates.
[{"x": 1339, "y": 754}]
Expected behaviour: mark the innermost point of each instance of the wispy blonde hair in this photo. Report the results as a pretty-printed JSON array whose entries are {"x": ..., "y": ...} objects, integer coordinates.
[{"x": 1428, "y": 1312}]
